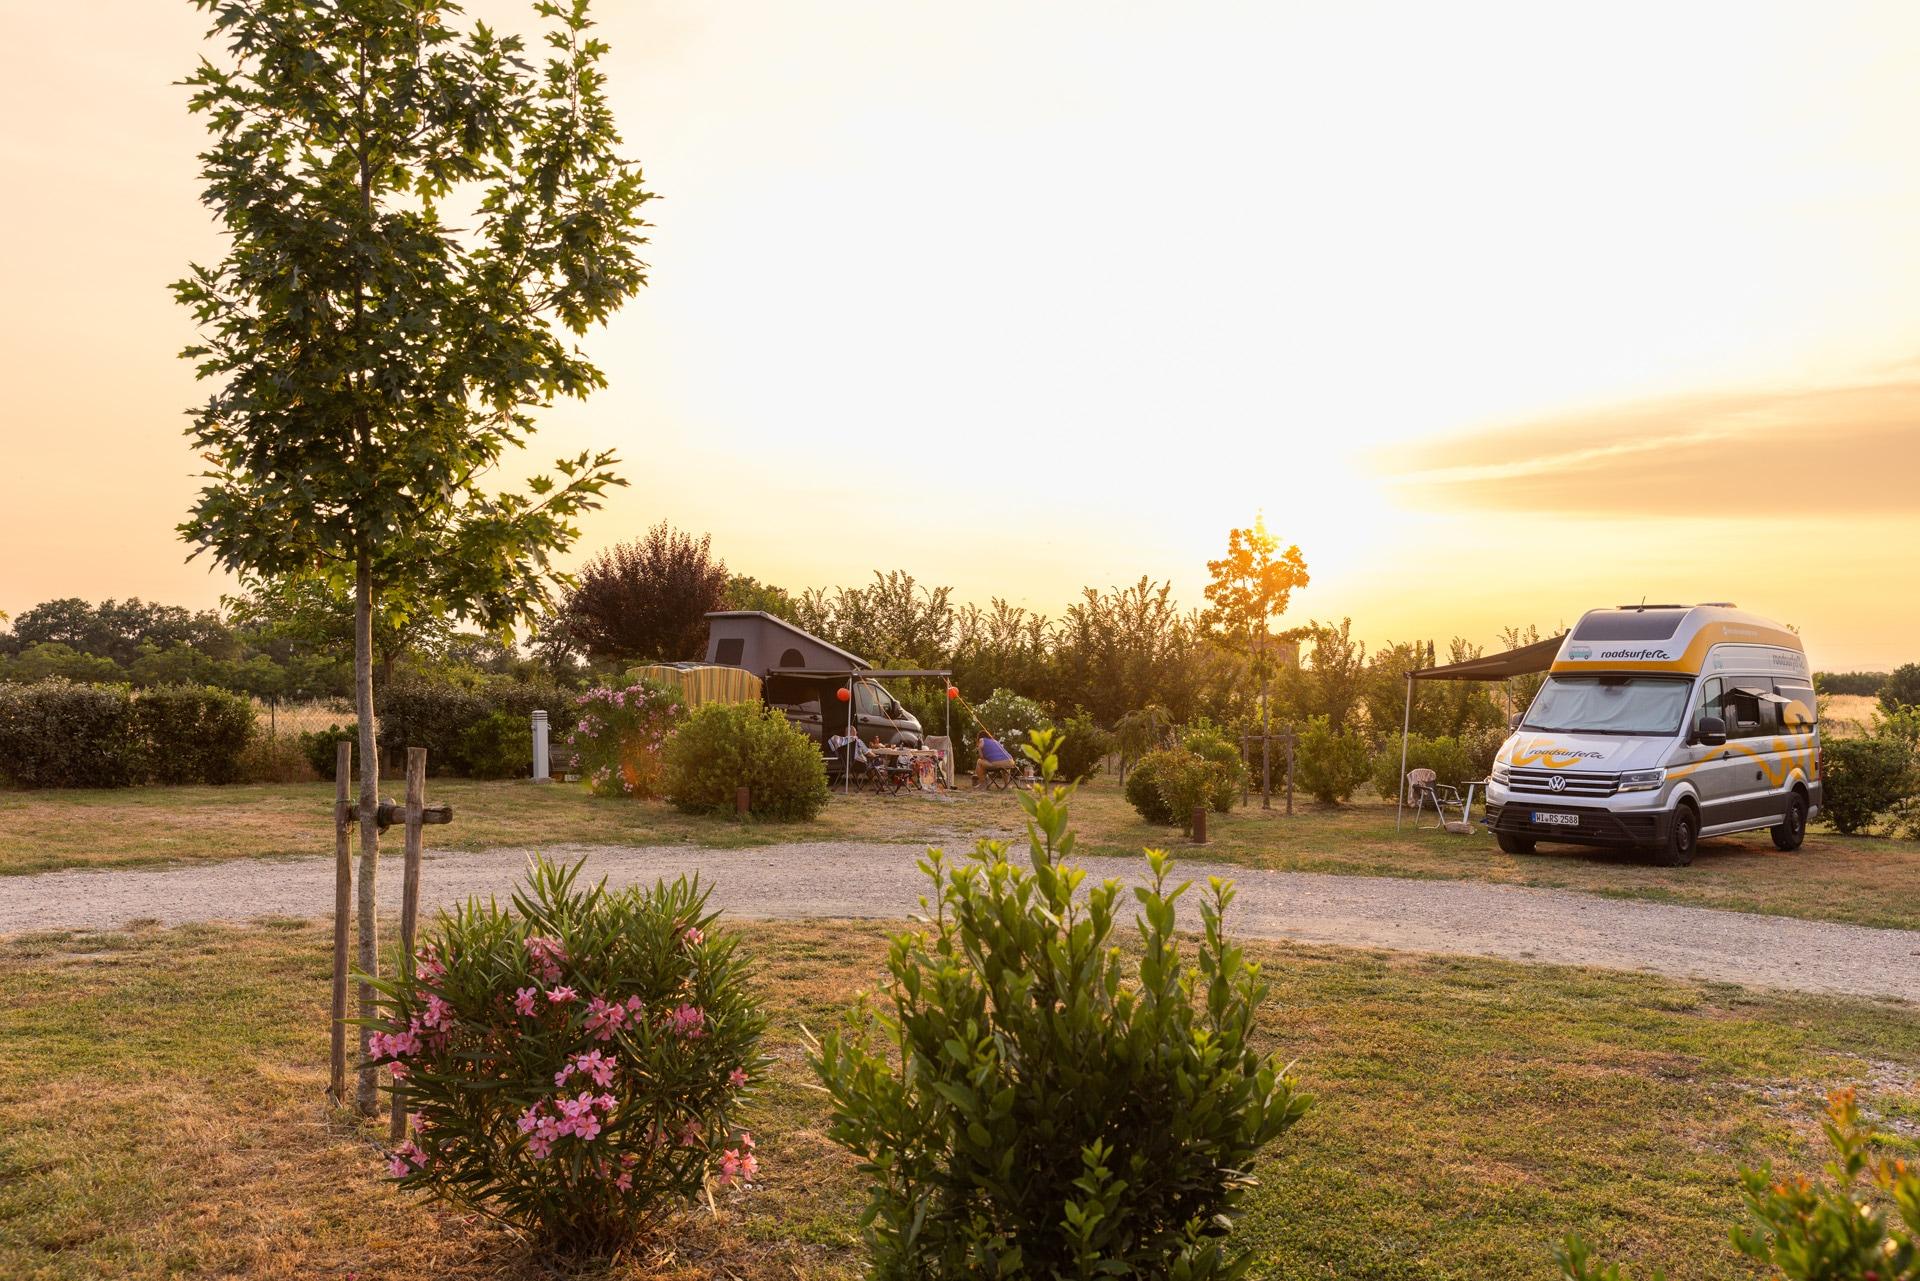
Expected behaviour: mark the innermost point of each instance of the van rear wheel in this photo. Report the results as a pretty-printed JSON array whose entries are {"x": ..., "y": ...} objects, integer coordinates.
[
  {"x": 1683, "y": 835},
  {"x": 1511, "y": 844},
  {"x": 1793, "y": 827}
]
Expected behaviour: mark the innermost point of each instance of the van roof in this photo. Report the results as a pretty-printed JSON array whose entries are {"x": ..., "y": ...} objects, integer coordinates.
[{"x": 1665, "y": 638}]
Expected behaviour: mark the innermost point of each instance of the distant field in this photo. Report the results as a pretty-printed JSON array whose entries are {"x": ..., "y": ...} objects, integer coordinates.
[
  {"x": 1859, "y": 880},
  {"x": 1847, "y": 715}
]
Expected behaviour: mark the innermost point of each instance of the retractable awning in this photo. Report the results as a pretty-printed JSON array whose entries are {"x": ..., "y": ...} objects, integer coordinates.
[{"x": 1525, "y": 661}]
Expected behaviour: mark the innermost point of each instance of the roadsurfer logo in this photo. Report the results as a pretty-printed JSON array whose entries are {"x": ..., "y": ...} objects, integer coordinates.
[
  {"x": 1554, "y": 757},
  {"x": 1654, "y": 655}
]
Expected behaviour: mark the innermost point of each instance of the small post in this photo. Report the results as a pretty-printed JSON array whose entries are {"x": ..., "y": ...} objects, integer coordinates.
[
  {"x": 542, "y": 749},
  {"x": 1246, "y": 769},
  {"x": 1289, "y": 770},
  {"x": 342, "y": 904},
  {"x": 742, "y": 801},
  {"x": 1199, "y": 825},
  {"x": 1266, "y": 770},
  {"x": 410, "y": 899}
]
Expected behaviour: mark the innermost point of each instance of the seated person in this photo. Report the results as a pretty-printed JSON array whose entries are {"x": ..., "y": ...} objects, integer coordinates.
[{"x": 992, "y": 756}]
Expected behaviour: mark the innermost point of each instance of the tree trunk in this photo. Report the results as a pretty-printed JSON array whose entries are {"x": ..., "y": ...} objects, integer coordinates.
[{"x": 366, "y": 1097}]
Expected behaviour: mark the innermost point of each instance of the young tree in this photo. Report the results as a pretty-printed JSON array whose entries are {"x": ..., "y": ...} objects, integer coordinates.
[
  {"x": 645, "y": 599},
  {"x": 1250, "y": 588},
  {"x": 374, "y": 361}
]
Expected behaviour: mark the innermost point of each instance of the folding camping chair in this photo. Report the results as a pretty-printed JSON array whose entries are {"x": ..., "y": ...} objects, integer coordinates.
[{"x": 1423, "y": 789}]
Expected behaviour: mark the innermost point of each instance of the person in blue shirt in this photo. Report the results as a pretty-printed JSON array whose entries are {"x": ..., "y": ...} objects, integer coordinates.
[{"x": 991, "y": 756}]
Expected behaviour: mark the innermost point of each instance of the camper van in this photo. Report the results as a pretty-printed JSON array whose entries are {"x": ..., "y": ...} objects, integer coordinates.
[{"x": 1659, "y": 725}]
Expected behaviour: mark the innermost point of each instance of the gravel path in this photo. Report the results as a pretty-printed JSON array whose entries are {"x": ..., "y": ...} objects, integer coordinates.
[{"x": 861, "y": 880}]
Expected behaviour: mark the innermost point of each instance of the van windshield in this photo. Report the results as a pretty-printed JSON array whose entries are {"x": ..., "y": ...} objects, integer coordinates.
[{"x": 1649, "y": 705}]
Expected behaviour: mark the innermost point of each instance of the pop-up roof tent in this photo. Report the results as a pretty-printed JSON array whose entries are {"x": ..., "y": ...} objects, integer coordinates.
[
  {"x": 1525, "y": 661},
  {"x": 768, "y": 646}
]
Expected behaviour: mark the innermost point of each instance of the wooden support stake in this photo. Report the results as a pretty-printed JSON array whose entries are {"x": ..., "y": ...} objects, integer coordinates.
[
  {"x": 410, "y": 899},
  {"x": 1289, "y": 769},
  {"x": 342, "y": 905},
  {"x": 1199, "y": 825}
]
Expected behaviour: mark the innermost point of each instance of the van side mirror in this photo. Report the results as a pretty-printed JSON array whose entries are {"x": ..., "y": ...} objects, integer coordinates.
[
  {"x": 1513, "y": 721},
  {"x": 1712, "y": 731}
]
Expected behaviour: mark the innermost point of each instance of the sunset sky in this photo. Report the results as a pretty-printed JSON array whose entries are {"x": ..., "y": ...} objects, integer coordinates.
[{"x": 1500, "y": 311}]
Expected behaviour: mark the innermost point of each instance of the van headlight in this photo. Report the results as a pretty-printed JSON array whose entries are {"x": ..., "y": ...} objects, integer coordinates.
[
  {"x": 1642, "y": 780},
  {"x": 1501, "y": 774}
]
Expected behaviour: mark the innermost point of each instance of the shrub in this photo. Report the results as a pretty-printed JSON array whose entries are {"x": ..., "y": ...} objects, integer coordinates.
[
  {"x": 1448, "y": 758},
  {"x": 498, "y": 745},
  {"x": 192, "y": 733},
  {"x": 58, "y": 734},
  {"x": 1863, "y": 778},
  {"x": 1330, "y": 763},
  {"x": 1902, "y": 688},
  {"x": 1031, "y": 1104},
  {"x": 1140, "y": 732},
  {"x": 1012, "y": 717},
  {"x": 1081, "y": 747},
  {"x": 618, "y": 738},
  {"x": 1143, "y": 787},
  {"x": 725, "y": 746},
  {"x": 1827, "y": 1231},
  {"x": 318, "y": 747},
  {"x": 428, "y": 714},
  {"x": 573, "y": 1064},
  {"x": 1211, "y": 743}
]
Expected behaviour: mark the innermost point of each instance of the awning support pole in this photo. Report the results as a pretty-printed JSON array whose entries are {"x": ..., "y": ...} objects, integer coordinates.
[{"x": 1406, "y": 725}]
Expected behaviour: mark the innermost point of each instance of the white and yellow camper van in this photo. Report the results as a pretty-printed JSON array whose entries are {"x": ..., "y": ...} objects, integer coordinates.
[{"x": 1661, "y": 724}]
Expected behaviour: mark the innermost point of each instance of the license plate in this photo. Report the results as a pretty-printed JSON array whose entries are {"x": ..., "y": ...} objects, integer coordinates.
[{"x": 1547, "y": 819}]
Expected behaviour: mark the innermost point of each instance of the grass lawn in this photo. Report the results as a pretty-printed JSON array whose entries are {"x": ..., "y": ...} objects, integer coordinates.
[
  {"x": 161, "y": 1114},
  {"x": 1859, "y": 880}
]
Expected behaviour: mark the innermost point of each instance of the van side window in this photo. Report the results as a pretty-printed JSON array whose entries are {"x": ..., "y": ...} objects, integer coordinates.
[
  {"x": 1747, "y": 714},
  {"x": 729, "y": 651},
  {"x": 871, "y": 699},
  {"x": 1799, "y": 708},
  {"x": 1709, "y": 704}
]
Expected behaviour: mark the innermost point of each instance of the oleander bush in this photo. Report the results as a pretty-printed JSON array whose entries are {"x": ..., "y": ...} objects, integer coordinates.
[
  {"x": 193, "y": 733},
  {"x": 1211, "y": 742},
  {"x": 1861, "y": 1223},
  {"x": 619, "y": 738},
  {"x": 1029, "y": 1099},
  {"x": 722, "y": 747},
  {"x": 573, "y": 1064}
]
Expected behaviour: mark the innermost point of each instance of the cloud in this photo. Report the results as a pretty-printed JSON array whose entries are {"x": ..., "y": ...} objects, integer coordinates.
[{"x": 1829, "y": 451}]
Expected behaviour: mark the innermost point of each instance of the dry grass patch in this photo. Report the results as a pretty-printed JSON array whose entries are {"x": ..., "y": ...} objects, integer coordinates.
[{"x": 161, "y": 1114}]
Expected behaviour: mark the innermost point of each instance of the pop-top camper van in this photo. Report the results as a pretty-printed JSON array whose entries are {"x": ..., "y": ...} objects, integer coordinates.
[{"x": 1658, "y": 725}]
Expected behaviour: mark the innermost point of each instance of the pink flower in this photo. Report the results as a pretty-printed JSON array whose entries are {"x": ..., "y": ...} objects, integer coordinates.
[
  {"x": 604, "y": 1019},
  {"x": 438, "y": 1014},
  {"x": 635, "y": 1005},
  {"x": 690, "y": 1134},
  {"x": 737, "y": 1078},
  {"x": 693, "y": 936},
  {"x": 545, "y": 955},
  {"x": 523, "y": 1000},
  {"x": 406, "y": 1159},
  {"x": 739, "y": 1165},
  {"x": 688, "y": 1021},
  {"x": 561, "y": 995}
]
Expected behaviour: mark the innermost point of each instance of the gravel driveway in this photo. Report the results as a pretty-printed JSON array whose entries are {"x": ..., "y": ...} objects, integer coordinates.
[{"x": 861, "y": 880}]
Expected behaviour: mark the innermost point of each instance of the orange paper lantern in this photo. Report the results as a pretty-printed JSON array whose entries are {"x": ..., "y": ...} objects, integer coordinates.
[
  {"x": 843, "y": 693},
  {"x": 953, "y": 691}
]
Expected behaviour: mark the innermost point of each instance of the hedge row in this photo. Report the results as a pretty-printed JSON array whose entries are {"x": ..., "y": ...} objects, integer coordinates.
[{"x": 57, "y": 733}]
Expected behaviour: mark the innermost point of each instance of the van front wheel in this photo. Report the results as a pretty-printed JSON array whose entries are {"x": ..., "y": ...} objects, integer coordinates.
[
  {"x": 1793, "y": 827},
  {"x": 1511, "y": 844},
  {"x": 1683, "y": 834}
]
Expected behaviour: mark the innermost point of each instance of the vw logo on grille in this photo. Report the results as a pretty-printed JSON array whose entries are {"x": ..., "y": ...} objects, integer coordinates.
[{"x": 1557, "y": 783}]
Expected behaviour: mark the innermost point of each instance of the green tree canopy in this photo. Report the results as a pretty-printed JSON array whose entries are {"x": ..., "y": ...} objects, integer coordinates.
[{"x": 418, "y": 215}]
